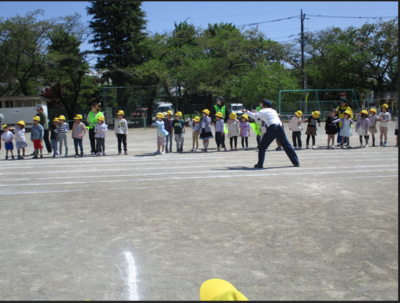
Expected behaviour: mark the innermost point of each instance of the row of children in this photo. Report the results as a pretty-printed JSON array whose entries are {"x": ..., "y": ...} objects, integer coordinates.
[
  {"x": 201, "y": 128},
  {"x": 365, "y": 124},
  {"x": 58, "y": 136}
]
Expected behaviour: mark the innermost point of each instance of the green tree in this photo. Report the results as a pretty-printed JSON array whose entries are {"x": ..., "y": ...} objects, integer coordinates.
[
  {"x": 118, "y": 32},
  {"x": 23, "y": 42},
  {"x": 67, "y": 64}
]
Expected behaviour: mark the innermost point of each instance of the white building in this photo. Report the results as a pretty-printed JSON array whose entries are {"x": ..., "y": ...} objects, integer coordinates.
[{"x": 17, "y": 108}]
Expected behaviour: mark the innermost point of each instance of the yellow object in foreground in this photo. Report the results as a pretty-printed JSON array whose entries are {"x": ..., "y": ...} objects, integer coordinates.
[
  {"x": 121, "y": 112},
  {"x": 21, "y": 122},
  {"x": 78, "y": 117},
  {"x": 220, "y": 290},
  {"x": 36, "y": 118}
]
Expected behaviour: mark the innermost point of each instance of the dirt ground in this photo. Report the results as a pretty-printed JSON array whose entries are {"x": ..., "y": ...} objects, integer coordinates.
[{"x": 147, "y": 227}]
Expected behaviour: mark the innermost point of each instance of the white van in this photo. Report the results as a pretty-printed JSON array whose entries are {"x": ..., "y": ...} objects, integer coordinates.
[{"x": 164, "y": 107}]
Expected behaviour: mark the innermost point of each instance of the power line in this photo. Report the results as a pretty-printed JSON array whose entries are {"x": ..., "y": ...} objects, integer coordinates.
[
  {"x": 268, "y": 21},
  {"x": 352, "y": 17}
]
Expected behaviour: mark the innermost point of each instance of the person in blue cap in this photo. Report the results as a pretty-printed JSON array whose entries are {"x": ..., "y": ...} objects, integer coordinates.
[{"x": 274, "y": 131}]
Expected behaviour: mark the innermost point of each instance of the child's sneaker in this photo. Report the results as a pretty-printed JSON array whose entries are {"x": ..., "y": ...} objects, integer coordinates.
[
  {"x": 163, "y": 153},
  {"x": 278, "y": 148},
  {"x": 225, "y": 150},
  {"x": 157, "y": 152},
  {"x": 6, "y": 157},
  {"x": 381, "y": 144},
  {"x": 231, "y": 148},
  {"x": 126, "y": 153},
  {"x": 366, "y": 145},
  {"x": 119, "y": 154},
  {"x": 332, "y": 147},
  {"x": 342, "y": 146},
  {"x": 307, "y": 147},
  {"x": 41, "y": 156},
  {"x": 385, "y": 144},
  {"x": 235, "y": 148},
  {"x": 197, "y": 150},
  {"x": 92, "y": 153},
  {"x": 34, "y": 157},
  {"x": 76, "y": 156},
  {"x": 98, "y": 154},
  {"x": 104, "y": 153},
  {"x": 218, "y": 149},
  {"x": 328, "y": 147},
  {"x": 313, "y": 147},
  {"x": 54, "y": 155},
  {"x": 192, "y": 150},
  {"x": 348, "y": 146},
  {"x": 12, "y": 157},
  {"x": 361, "y": 145}
]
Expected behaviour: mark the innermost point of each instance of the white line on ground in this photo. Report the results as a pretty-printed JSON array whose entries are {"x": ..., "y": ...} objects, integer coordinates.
[
  {"x": 133, "y": 295},
  {"x": 171, "y": 186},
  {"x": 210, "y": 174},
  {"x": 168, "y": 159}
]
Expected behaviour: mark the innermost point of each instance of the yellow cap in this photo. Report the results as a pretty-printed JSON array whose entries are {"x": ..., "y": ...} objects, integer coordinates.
[
  {"x": 279, "y": 114},
  {"x": 56, "y": 120},
  {"x": 178, "y": 114},
  {"x": 36, "y": 118},
  {"x": 206, "y": 111},
  {"x": 219, "y": 114},
  {"x": 121, "y": 112},
  {"x": 196, "y": 119},
  {"x": 4, "y": 126},
  {"x": 299, "y": 113},
  {"x": 78, "y": 117},
  {"x": 160, "y": 115},
  {"x": 373, "y": 110},
  {"x": 233, "y": 116},
  {"x": 316, "y": 114},
  {"x": 245, "y": 116},
  {"x": 347, "y": 112},
  {"x": 101, "y": 118},
  {"x": 364, "y": 112},
  {"x": 21, "y": 122},
  {"x": 61, "y": 118},
  {"x": 385, "y": 106},
  {"x": 220, "y": 290},
  {"x": 169, "y": 112}
]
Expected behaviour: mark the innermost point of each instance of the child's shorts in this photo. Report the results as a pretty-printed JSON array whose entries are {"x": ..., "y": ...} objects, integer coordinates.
[
  {"x": 37, "y": 144},
  {"x": 9, "y": 146},
  {"x": 161, "y": 140},
  {"x": 21, "y": 144}
]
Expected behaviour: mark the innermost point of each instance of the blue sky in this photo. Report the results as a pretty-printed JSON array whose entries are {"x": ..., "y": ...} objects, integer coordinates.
[{"x": 161, "y": 15}]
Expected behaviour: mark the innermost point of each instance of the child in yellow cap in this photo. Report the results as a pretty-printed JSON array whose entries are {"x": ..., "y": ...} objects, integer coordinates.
[
  {"x": 37, "y": 135},
  {"x": 331, "y": 128},
  {"x": 384, "y": 119},
  {"x": 220, "y": 131},
  {"x": 178, "y": 129},
  {"x": 220, "y": 290},
  {"x": 312, "y": 128},
  {"x": 7, "y": 136},
  {"x": 296, "y": 126},
  {"x": 195, "y": 126},
  {"x": 78, "y": 132},
  {"x": 345, "y": 130},
  {"x": 62, "y": 132},
  {"x": 245, "y": 131},
  {"x": 100, "y": 135},
  {"x": 161, "y": 133},
  {"x": 396, "y": 131},
  {"x": 168, "y": 125},
  {"x": 205, "y": 126},
  {"x": 362, "y": 127},
  {"x": 121, "y": 131},
  {"x": 20, "y": 140},
  {"x": 373, "y": 117},
  {"x": 233, "y": 129},
  {"x": 54, "y": 136}
]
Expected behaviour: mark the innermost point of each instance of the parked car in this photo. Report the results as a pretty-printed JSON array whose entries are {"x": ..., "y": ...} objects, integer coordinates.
[{"x": 234, "y": 108}]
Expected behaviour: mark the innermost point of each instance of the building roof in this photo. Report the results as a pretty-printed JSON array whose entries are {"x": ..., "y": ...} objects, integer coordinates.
[{"x": 29, "y": 97}]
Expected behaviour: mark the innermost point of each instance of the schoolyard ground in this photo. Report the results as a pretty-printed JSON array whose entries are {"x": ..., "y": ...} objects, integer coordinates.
[{"x": 156, "y": 227}]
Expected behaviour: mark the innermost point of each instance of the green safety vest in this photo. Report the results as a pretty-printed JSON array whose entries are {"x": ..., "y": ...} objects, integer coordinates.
[
  {"x": 93, "y": 119},
  {"x": 222, "y": 110}
]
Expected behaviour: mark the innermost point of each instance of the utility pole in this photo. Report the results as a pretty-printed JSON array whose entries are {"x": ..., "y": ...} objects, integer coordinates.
[{"x": 302, "y": 48}]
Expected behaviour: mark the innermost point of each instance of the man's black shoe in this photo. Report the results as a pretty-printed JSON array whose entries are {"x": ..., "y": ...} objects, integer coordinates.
[
  {"x": 296, "y": 165},
  {"x": 258, "y": 166}
]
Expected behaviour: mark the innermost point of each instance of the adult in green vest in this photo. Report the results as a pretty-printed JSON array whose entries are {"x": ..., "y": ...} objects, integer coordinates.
[
  {"x": 92, "y": 120},
  {"x": 219, "y": 108}
]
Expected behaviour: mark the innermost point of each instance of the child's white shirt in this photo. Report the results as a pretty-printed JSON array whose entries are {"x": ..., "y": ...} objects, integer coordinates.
[
  {"x": 20, "y": 134},
  {"x": 384, "y": 116},
  {"x": 294, "y": 124},
  {"x": 121, "y": 127},
  {"x": 7, "y": 136}
]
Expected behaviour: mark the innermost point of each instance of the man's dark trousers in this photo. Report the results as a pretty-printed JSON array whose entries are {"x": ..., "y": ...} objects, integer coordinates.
[{"x": 276, "y": 132}]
